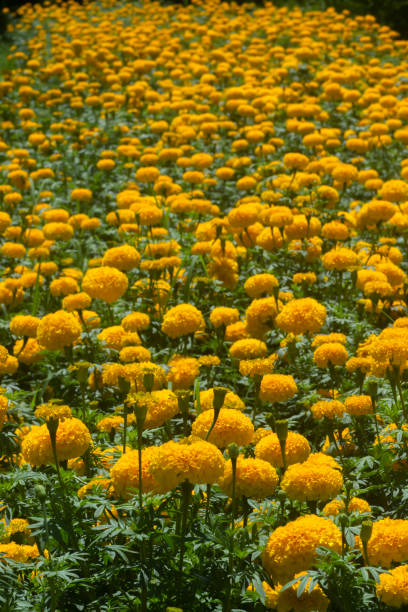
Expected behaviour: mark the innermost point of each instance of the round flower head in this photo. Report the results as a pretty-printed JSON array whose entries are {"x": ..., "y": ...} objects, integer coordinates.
[
  {"x": 248, "y": 348},
  {"x": 72, "y": 439},
  {"x": 223, "y": 316},
  {"x": 330, "y": 353},
  {"x": 301, "y": 316},
  {"x": 231, "y": 426},
  {"x": 124, "y": 257},
  {"x": 182, "y": 320},
  {"x": 392, "y": 589},
  {"x": 292, "y": 548},
  {"x": 268, "y": 448},
  {"x": 288, "y": 601},
  {"x": 257, "y": 367},
  {"x": 53, "y": 412},
  {"x": 58, "y": 329},
  {"x": 135, "y": 321},
  {"x": 394, "y": 190},
  {"x": 199, "y": 463},
  {"x": 24, "y": 325},
  {"x": 105, "y": 283},
  {"x": 358, "y": 405},
  {"x": 310, "y": 481},
  {"x": 125, "y": 473},
  {"x": 328, "y": 409},
  {"x": 277, "y": 388},
  {"x": 255, "y": 478},
  {"x": 21, "y": 553},
  {"x": 231, "y": 400},
  {"x": 260, "y": 315},
  {"x": 388, "y": 542},
  {"x": 340, "y": 259},
  {"x": 161, "y": 406},
  {"x": 260, "y": 284},
  {"x": 76, "y": 301}
]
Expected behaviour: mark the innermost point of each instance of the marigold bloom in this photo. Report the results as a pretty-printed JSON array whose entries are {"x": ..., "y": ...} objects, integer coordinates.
[
  {"x": 288, "y": 601},
  {"x": 392, "y": 589},
  {"x": 24, "y": 325},
  {"x": 340, "y": 259},
  {"x": 248, "y": 348},
  {"x": 358, "y": 405},
  {"x": 328, "y": 409},
  {"x": 182, "y": 320},
  {"x": 292, "y": 548},
  {"x": 268, "y": 448},
  {"x": 311, "y": 481},
  {"x": 72, "y": 440},
  {"x": 388, "y": 542},
  {"x": 58, "y": 329},
  {"x": 301, "y": 316},
  {"x": 231, "y": 400},
  {"x": 277, "y": 388},
  {"x": 330, "y": 353},
  {"x": 125, "y": 473},
  {"x": 161, "y": 406},
  {"x": 105, "y": 283},
  {"x": 259, "y": 284},
  {"x": 255, "y": 478},
  {"x": 231, "y": 426},
  {"x": 199, "y": 462},
  {"x": 124, "y": 257},
  {"x": 223, "y": 316}
]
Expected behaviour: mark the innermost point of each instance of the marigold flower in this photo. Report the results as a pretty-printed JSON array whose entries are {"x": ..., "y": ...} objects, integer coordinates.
[
  {"x": 301, "y": 316},
  {"x": 124, "y": 257},
  {"x": 277, "y": 388},
  {"x": 340, "y": 259},
  {"x": 231, "y": 426},
  {"x": 24, "y": 325},
  {"x": 259, "y": 284},
  {"x": 268, "y": 448},
  {"x": 223, "y": 316},
  {"x": 388, "y": 542},
  {"x": 182, "y": 320},
  {"x": 255, "y": 478},
  {"x": 330, "y": 353},
  {"x": 231, "y": 400},
  {"x": 392, "y": 589},
  {"x": 125, "y": 473},
  {"x": 288, "y": 601},
  {"x": 105, "y": 283},
  {"x": 358, "y": 405},
  {"x": 248, "y": 348},
  {"x": 311, "y": 481},
  {"x": 292, "y": 548},
  {"x": 328, "y": 409},
  {"x": 72, "y": 440},
  {"x": 58, "y": 329}
]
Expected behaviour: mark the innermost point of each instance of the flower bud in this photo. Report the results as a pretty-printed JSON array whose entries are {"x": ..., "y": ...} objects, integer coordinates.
[
  {"x": 366, "y": 531},
  {"x": 219, "y": 397},
  {"x": 233, "y": 450},
  {"x": 281, "y": 426},
  {"x": 124, "y": 385},
  {"x": 40, "y": 492},
  {"x": 148, "y": 381}
]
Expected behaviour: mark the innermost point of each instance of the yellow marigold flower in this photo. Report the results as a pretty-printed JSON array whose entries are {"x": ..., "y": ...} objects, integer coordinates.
[
  {"x": 356, "y": 504},
  {"x": 276, "y": 216},
  {"x": 301, "y": 316},
  {"x": 388, "y": 543},
  {"x": 19, "y": 552},
  {"x": 277, "y": 388},
  {"x": 311, "y": 481},
  {"x": 182, "y": 320},
  {"x": 394, "y": 191},
  {"x": 115, "y": 336},
  {"x": 24, "y": 325},
  {"x": 344, "y": 174},
  {"x": 328, "y": 409},
  {"x": 129, "y": 354},
  {"x": 223, "y": 316},
  {"x": 135, "y": 321},
  {"x": 58, "y": 231},
  {"x": 110, "y": 423},
  {"x": 99, "y": 482},
  {"x": 63, "y": 286},
  {"x": 161, "y": 406},
  {"x": 124, "y": 257},
  {"x": 257, "y": 367},
  {"x": 3, "y": 410},
  {"x": 359, "y": 363},
  {"x": 340, "y": 259},
  {"x": 307, "y": 278},
  {"x": 58, "y": 329},
  {"x": 52, "y": 411},
  {"x": 105, "y": 283},
  {"x": 358, "y": 405},
  {"x": 288, "y": 601},
  {"x": 268, "y": 448},
  {"x": 259, "y": 284},
  {"x": 73, "y": 439},
  {"x": 231, "y": 400},
  {"x": 13, "y": 249},
  {"x": 392, "y": 589},
  {"x": 125, "y": 473},
  {"x": 76, "y": 301},
  {"x": 295, "y": 161},
  {"x": 324, "y": 338},
  {"x": 200, "y": 463},
  {"x": 260, "y": 315},
  {"x": 231, "y": 426},
  {"x": 292, "y": 548},
  {"x": 81, "y": 195},
  {"x": 243, "y": 216},
  {"x": 148, "y": 174},
  {"x": 330, "y": 353},
  {"x": 208, "y": 361},
  {"x": 248, "y": 348},
  {"x": 255, "y": 478},
  {"x": 246, "y": 183}
]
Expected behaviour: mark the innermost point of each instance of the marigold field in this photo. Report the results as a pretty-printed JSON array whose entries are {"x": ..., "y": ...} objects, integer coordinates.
[{"x": 204, "y": 330}]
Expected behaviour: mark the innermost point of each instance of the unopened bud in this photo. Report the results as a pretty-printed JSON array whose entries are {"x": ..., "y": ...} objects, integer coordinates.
[
  {"x": 233, "y": 450},
  {"x": 183, "y": 401},
  {"x": 148, "y": 381},
  {"x": 219, "y": 397},
  {"x": 82, "y": 372},
  {"x": 373, "y": 390},
  {"x": 140, "y": 411},
  {"x": 40, "y": 492},
  {"x": 366, "y": 531},
  {"x": 124, "y": 385},
  {"x": 281, "y": 427}
]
